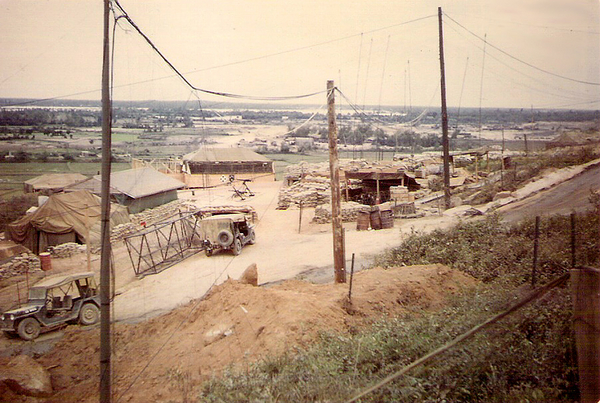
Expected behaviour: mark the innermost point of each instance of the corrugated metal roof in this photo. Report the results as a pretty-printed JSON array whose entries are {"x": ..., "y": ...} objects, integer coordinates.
[
  {"x": 225, "y": 155},
  {"x": 137, "y": 183}
]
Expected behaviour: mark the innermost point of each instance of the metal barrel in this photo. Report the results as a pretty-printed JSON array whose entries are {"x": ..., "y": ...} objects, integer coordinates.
[
  {"x": 46, "y": 261},
  {"x": 376, "y": 219},
  {"x": 363, "y": 221},
  {"x": 387, "y": 219}
]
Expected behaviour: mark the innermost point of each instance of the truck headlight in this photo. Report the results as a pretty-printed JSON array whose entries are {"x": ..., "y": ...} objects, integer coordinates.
[{"x": 11, "y": 317}]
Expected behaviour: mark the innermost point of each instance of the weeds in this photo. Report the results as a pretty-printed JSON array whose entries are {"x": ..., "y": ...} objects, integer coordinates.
[
  {"x": 489, "y": 250},
  {"x": 524, "y": 169},
  {"x": 528, "y": 357}
]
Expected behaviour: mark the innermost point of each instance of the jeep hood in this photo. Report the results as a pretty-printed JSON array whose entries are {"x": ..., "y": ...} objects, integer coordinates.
[{"x": 25, "y": 309}]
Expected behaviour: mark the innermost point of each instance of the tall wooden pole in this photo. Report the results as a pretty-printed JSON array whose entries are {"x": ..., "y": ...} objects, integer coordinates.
[
  {"x": 334, "y": 168},
  {"x": 585, "y": 288},
  {"x": 445, "y": 141},
  {"x": 105, "y": 364}
]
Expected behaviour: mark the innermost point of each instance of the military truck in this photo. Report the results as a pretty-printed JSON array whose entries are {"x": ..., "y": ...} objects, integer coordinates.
[
  {"x": 52, "y": 303},
  {"x": 226, "y": 232}
]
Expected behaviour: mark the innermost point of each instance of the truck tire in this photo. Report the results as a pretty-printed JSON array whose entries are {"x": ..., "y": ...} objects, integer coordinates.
[
  {"x": 252, "y": 237},
  {"x": 237, "y": 247},
  {"x": 89, "y": 314},
  {"x": 28, "y": 329},
  {"x": 225, "y": 238}
]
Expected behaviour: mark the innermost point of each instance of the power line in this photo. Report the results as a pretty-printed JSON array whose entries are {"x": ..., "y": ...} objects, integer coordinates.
[
  {"x": 518, "y": 59},
  {"x": 187, "y": 82},
  {"x": 537, "y": 26},
  {"x": 532, "y": 78},
  {"x": 225, "y": 64}
]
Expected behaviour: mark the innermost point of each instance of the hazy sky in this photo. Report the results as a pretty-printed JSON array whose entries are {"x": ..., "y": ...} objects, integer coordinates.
[{"x": 53, "y": 48}]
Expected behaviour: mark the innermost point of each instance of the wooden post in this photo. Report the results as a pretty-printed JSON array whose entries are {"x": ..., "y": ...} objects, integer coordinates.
[
  {"x": 536, "y": 237},
  {"x": 105, "y": 294},
  {"x": 336, "y": 213},
  {"x": 378, "y": 197},
  {"x": 18, "y": 294},
  {"x": 347, "y": 190},
  {"x": 572, "y": 239},
  {"x": 502, "y": 162},
  {"x": 585, "y": 288},
  {"x": 445, "y": 141},
  {"x": 300, "y": 218},
  {"x": 351, "y": 276}
]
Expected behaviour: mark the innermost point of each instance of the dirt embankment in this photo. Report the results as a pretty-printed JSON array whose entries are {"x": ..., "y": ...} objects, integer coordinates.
[{"x": 163, "y": 358}]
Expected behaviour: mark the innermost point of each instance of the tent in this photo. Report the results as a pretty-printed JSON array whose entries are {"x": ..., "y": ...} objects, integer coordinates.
[
  {"x": 65, "y": 217},
  {"x": 52, "y": 183}
]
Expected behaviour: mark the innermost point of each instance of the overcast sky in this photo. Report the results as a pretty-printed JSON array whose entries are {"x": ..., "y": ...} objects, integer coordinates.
[{"x": 53, "y": 48}]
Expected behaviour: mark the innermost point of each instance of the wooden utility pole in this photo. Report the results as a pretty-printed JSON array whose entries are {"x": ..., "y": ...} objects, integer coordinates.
[
  {"x": 445, "y": 141},
  {"x": 585, "y": 286},
  {"x": 336, "y": 210},
  {"x": 105, "y": 356}
]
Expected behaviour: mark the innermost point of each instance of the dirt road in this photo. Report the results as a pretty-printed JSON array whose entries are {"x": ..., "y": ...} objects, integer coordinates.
[
  {"x": 280, "y": 253},
  {"x": 571, "y": 195}
]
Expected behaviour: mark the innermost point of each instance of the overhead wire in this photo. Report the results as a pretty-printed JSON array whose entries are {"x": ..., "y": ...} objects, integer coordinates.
[
  {"x": 306, "y": 121},
  {"x": 519, "y": 59},
  {"x": 189, "y": 84},
  {"x": 34, "y": 101},
  {"x": 532, "y": 78}
]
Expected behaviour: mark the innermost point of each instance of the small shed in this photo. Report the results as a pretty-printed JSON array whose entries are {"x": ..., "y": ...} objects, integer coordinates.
[
  {"x": 206, "y": 166},
  {"x": 375, "y": 184},
  {"x": 48, "y": 184}
]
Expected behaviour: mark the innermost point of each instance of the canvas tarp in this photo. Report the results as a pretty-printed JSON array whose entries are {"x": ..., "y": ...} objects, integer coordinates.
[
  {"x": 225, "y": 155},
  {"x": 49, "y": 183},
  {"x": 65, "y": 217}
]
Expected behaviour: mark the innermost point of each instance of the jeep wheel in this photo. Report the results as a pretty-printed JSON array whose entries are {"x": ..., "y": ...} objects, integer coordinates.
[
  {"x": 237, "y": 247},
  {"x": 89, "y": 314},
  {"x": 224, "y": 238},
  {"x": 28, "y": 329},
  {"x": 208, "y": 252},
  {"x": 252, "y": 237}
]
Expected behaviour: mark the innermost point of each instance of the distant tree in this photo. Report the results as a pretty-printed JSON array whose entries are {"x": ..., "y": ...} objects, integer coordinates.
[{"x": 21, "y": 156}]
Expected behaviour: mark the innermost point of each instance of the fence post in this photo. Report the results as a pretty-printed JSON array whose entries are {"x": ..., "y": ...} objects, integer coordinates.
[
  {"x": 585, "y": 288},
  {"x": 536, "y": 238}
]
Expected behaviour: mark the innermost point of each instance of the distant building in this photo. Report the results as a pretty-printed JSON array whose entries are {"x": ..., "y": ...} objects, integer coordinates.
[{"x": 207, "y": 166}]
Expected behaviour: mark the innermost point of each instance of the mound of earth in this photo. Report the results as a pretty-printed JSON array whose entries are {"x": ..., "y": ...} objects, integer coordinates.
[{"x": 168, "y": 357}]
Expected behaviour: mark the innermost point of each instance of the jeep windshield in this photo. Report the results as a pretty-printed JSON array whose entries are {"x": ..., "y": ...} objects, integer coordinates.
[{"x": 37, "y": 293}]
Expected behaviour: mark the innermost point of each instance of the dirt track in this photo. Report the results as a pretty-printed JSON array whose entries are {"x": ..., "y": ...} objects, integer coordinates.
[
  {"x": 280, "y": 253},
  {"x": 571, "y": 195}
]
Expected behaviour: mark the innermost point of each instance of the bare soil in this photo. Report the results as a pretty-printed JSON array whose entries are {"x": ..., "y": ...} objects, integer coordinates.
[{"x": 163, "y": 358}]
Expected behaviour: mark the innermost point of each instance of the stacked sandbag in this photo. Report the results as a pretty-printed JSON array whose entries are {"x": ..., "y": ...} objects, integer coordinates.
[
  {"x": 350, "y": 211},
  {"x": 20, "y": 264},
  {"x": 161, "y": 213},
  {"x": 66, "y": 249},
  {"x": 312, "y": 191}
]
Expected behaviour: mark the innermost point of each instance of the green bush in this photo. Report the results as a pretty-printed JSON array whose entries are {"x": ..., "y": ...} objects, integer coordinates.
[
  {"x": 527, "y": 357},
  {"x": 488, "y": 249}
]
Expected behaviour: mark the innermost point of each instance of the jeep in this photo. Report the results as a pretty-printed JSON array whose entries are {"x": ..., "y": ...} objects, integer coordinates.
[
  {"x": 52, "y": 303},
  {"x": 226, "y": 232}
]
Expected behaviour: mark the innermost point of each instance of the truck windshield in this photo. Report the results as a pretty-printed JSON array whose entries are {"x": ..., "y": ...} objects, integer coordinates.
[{"x": 37, "y": 293}]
